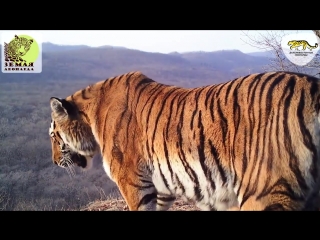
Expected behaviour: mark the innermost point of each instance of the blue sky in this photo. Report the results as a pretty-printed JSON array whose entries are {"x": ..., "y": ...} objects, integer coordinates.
[{"x": 163, "y": 41}]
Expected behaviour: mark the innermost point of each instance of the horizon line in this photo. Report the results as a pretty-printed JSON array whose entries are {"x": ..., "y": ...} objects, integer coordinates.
[{"x": 57, "y": 44}]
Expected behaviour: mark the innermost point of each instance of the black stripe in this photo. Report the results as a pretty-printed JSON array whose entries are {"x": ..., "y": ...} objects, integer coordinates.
[
  {"x": 167, "y": 157},
  {"x": 253, "y": 189},
  {"x": 128, "y": 79},
  {"x": 108, "y": 80},
  {"x": 244, "y": 161},
  {"x": 236, "y": 122},
  {"x": 129, "y": 127},
  {"x": 244, "y": 78},
  {"x": 118, "y": 79},
  {"x": 143, "y": 81},
  {"x": 182, "y": 156},
  {"x": 104, "y": 131},
  {"x": 195, "y": 110},
  {"x": 191, "y": 173},
  {"x": 182, "y": 98},
  {"x": 253, "y": 86},
  {"x": 223, "y": 122},
  {"x": 181, "y": 120},
  {"x": 151, "y": 106},
  {"x": 196, "y": 96},
  {"x": 252, "y": 92},
  {"x": 217, "y": 161},
  {"x": 274, "y": 207},
  {"x": 59, "y": 136},
  {"x": 85, "y": 115},
  {"x": 227, "y": 92},
  {"x": 165, "y": 97},
  {"x": 293, "y": 163},
  {"x": 148, "y": 116},
  {"x": 209, "y": 95},
  {"x": 263, "y": 145},
  {"x": 139, "y": 175},
  {"x": 314, "y": 88},
  {"x": 145, "y": 181},
  {"x": 269, "y": 154},
  {"x": 165, "y": 198},
  {"x": 147, "y": 199},
  {"x": 170, "y": 114},
  {"x": 212, "y": 108},
  {"x": 163, "y": 177},
  {"x": 258, "y": 96},
  {"x": 151, "y": 94},
  {"x": 287, "y": 191},
  {"x": 83, "y": 94},
  {"x": 221, "y": 86},
  {"x": 141, "y": 92},
  {"x": 179, "y": 184},
  {"x": 140, "y": 187},
  {"x": 201, "y": 153},
  {"x": 269, "y": 158},
  {"x": 116, "y": 153},
  {"x": 307, "y": 138},
  {"x": 271, "y": 88}
]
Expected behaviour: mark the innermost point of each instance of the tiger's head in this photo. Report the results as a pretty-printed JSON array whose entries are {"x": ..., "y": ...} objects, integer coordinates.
[{"x": 72, "y": 140}]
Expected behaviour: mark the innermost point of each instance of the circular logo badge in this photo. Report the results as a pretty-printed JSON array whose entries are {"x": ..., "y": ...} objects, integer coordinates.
[
  {"x": 26, "y": 48},
  {"x": 300, "y": 48}
]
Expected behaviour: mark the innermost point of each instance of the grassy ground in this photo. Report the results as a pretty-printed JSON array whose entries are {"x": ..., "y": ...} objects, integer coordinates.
[{"x": 118, "y": 204}]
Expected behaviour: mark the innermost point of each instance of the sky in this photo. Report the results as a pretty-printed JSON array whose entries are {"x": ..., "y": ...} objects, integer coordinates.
[{"x": 162, "y": 41}]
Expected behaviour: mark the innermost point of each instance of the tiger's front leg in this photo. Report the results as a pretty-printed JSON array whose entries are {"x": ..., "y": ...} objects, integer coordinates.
[
  {"x": 140, "y": 193},
  {"x": 137, "y": 190}
]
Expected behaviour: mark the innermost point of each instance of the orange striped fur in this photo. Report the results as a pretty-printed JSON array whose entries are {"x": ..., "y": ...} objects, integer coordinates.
[{"x": 250, "y": 144}]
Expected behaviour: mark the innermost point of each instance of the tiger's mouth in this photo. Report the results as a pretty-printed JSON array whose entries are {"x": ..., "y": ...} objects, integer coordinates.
[
  {"x": 79, "y": 160},
  {"x": 69, "y": 161},
  {"x": 72, "y": 159}
]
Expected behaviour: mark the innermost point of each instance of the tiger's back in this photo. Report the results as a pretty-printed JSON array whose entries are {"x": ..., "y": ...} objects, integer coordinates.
[{"x": 251, "y": 143}]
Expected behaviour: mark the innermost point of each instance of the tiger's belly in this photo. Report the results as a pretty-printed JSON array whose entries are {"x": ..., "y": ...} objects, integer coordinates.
[{"x": 206, "y": 194}]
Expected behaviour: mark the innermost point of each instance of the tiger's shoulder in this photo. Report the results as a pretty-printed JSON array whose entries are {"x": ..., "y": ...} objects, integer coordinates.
[{"x": 132, "y": 77}]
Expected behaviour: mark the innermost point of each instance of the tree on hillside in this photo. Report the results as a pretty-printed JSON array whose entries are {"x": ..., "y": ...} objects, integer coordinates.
[{"x": 271, "y": 41}]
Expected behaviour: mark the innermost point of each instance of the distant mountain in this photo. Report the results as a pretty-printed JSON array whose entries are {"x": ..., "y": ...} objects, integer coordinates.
[
  {"x": 50, "y": 47},
  {"x": 81, "y": 62},
  {"x": 268, "y": 54},
  {"x": 108, "y": 46},
  {"x": 233, "y": 61}
]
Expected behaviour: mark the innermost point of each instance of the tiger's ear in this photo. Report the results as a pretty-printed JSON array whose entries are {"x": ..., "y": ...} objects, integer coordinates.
[
  {"x": 57, "y": 107},
  {"x": 61, "y": 106}
]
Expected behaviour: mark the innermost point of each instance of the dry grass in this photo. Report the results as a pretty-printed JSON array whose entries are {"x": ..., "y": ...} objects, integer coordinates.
[{"x": 118, "y": 204}]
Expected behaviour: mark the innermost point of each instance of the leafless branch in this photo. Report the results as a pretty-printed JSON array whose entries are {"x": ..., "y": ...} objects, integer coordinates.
[{"x": 271, "y": 41}]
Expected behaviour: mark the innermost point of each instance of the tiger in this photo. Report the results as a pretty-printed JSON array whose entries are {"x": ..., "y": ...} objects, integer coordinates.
[
  {"x": 17, "y": 48},
  {"x": 298, "y": 43},
  {"x": 247, "y": 144}
]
